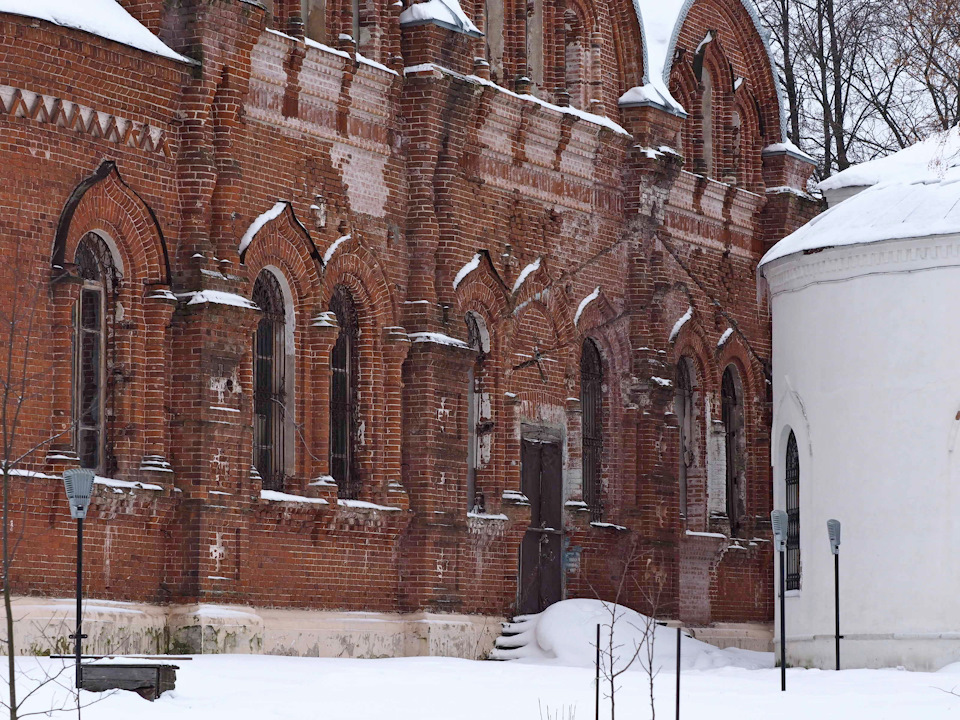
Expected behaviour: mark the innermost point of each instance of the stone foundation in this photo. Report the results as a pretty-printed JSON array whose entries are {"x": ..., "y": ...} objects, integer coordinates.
[{"x": 44, "y": 626}]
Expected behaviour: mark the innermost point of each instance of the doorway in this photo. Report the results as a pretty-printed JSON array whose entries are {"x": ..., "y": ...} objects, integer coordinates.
[{"x": 541, "y": 553}]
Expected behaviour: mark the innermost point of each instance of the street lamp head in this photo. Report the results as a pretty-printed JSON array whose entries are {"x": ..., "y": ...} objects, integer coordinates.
[
  {"x": 78, "y": 483},
  {"x": 833, "y": 530},
  {"x": 778, "y": 518}
]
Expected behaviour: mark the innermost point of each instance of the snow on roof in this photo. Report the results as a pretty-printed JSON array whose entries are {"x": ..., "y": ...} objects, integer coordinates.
[
  {"x": 446, "y": 13},
  {"x": 930, "y": 158},
  {"x": 887, "y": 211},
  {"x": 660, "y": 23},
  {"x": 99, "y": 17}
]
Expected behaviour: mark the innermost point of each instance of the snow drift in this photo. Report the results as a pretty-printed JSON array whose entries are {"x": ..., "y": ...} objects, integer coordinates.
[{"x": 565, "y": 634}]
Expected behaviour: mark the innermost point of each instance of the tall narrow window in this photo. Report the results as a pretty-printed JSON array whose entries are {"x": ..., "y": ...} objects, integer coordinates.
[
  {"x": 269, "y": 382},
  {"x": 684, "y": 408},
  {"x": 732, "y": 415},
  {"x": 479, "y": 422},
  {"x": 95, "y": 265},
  {"x": 591, "y": 405},
  {"x": 793, "y": 513},
  {"x": 706, "y": 127},
  {"x": 343, "y": 395},
  {"x": 493, "y": 37},
  {"x": 314, "y": 13},
  {"x": 535, "y": 43}
]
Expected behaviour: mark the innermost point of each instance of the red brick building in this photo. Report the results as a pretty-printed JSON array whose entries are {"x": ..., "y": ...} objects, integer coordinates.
[{"x": 382, "y": 323}]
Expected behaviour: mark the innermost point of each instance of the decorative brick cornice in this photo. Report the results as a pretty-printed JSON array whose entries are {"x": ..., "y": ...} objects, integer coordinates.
[{"x": 15, "y": 102}]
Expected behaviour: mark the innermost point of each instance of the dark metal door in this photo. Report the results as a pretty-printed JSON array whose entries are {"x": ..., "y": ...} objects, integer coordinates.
[{"x": 541, "y": 553}]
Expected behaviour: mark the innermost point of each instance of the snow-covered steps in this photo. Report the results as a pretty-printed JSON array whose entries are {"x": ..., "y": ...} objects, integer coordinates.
[{"x": 515, "y": 637}]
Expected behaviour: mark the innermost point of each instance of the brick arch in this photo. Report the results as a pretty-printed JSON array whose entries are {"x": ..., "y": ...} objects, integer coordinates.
[
  {"x": 742, "y": 28},
  {"x": 353, "y": 265},
  {"x": 284, "y": 242},
  {"x": 103, "y": 200},
  {"x": 539, "y": 289},
  {"x": 284, "y": 228},
  {"x": 627, "y": 42},
  {"x": 691, "y": 342},
  {"x": 751, "y": 162}
]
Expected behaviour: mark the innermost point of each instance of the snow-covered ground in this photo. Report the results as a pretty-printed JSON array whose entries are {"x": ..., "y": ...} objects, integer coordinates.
[
  {"x": 250, "y": 687},
  {"x": 552, "y": 676}
]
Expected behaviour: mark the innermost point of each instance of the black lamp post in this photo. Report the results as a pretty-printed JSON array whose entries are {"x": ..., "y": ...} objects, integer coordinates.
[
  {"x": 78, "y": 484},
  {"x": 778, "y": 518},
  {"x": 833, "y": 531}
]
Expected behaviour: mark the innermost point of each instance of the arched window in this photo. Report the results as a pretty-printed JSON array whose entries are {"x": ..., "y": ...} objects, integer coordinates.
[
  {"x": 574, "y": 58},
  {"x": 685, "y": 410},
  {"x": 706, "y": 123},
  {"x": 92, "y": 342},
  {"x": 314, "y": 14},
  {"x": 269, "y": 382},
  {"x": 732, "y": 415},
  {"x": 793, "y": 513},
  {"x": 343, "y": 395},
  {"x": 479, "y": 421},
  {"x": 591, "y": 405}
]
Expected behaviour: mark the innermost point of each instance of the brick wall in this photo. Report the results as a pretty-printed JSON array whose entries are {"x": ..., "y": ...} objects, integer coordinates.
[{"x": 393, "y": 184}]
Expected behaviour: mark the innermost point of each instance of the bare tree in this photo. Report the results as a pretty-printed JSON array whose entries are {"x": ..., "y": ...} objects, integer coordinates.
[
  {"x": 864, "y": 77},
  {"x": 20, "y": 372}
]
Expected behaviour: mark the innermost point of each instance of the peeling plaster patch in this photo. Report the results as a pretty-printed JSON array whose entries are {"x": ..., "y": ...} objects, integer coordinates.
[{"x": 363, "y": 174}]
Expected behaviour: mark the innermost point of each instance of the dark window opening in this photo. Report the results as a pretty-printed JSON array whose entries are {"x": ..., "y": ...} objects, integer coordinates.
[
  {"x": 343, "y": 396},
  {"x": 269, "y": 380},
  {"x": 591, "y": 405},
  {"x": 684, "y": 408},
  {"x": 793, "y": 513},
  {"x": 732, "y": 415},
  {"x": 92, "y": 344}
]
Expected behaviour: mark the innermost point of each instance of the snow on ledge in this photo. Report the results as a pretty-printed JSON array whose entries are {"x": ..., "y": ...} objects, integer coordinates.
[
  {"x": 726, "y": 336},
  {"x": 790, "y": 149},
  {"x": 445, "y": 13},
  {"x": 583, "y": 304},
  {"x": 608, "y": 526},
  {"x": 581, "y": 114},
  {"x": 719, "y": 536},
  {"x": 662, "y": 382},
  {"x": 218, "y": 297},
  {"x": 486, "y": 516},
  {"x": 104, "y": 18},
  {"x": 438, "y": 338},
  {"x": 255, "y": 227},
  {"x": 128, "y": 484},
  {"x": 276, "y": 496},
  {"x": 364, "y": 505},
  {"x": 466, "y": 270},
  {"x": 678, "y": 326},
  {"x": 328, "y": 255},
  {"x": 525, "y": 273}
]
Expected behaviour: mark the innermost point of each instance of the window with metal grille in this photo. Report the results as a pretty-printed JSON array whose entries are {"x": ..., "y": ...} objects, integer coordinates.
[
  {"x": 591, "y": 405},
  {"x": 343, "y": 396},
  {"x": 683, "y": 402},
  {"x": 92, "y": 344},
  {"x": 732, "y": 415},
  {"x": 479, "y": 424},
  {"x": 269, "y": 381},
  {"x": 793, "y": 513}
]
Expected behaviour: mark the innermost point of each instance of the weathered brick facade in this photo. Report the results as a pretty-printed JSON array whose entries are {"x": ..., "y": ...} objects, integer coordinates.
[{"x": 395, "y": 175}]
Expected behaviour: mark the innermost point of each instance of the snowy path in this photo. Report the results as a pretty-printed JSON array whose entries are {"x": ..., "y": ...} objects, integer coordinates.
[{"x": 247, "y": 687}]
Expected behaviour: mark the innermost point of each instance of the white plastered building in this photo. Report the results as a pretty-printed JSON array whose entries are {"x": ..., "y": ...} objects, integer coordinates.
[{"x": 866, "y": 377}]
